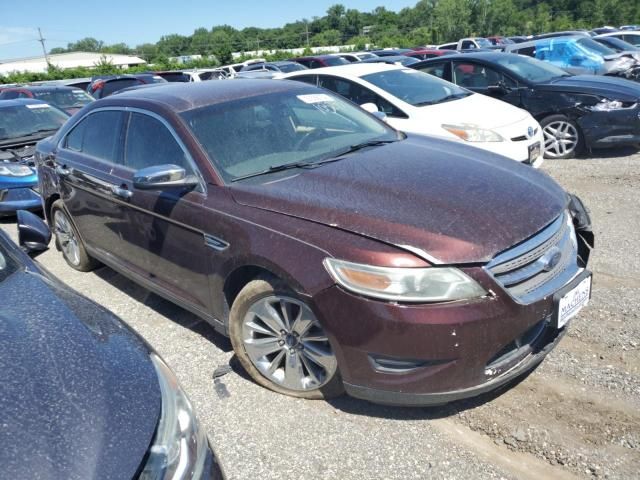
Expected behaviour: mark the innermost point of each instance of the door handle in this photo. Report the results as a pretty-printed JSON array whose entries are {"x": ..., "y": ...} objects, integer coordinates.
[
  {"x": 122, "y": 192},
  {"x": 63, "y": 171}
]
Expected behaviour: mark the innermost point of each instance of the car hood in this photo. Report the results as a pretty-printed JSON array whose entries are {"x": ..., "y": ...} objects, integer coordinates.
[
  {"x": 473, "y": 110},
  {"x": 610, "y": 87},
  {"x": 447, "y": 202},
  {"x": 80, "y": 397}
]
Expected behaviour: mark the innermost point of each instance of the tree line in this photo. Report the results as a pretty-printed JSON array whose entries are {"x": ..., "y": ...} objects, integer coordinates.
[{"x": 428, "y": 22}]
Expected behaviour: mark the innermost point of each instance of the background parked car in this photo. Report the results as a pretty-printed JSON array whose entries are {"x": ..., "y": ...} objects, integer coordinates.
[
  {"x": 84, "y": 396},
  {"x": 199, "y": 75},
  {"x": 320, "y": 61},
  {"x": 391, "y": 52},
  {"x": 280, "y": 67},
  {"x": 278, "y": 212},
  {"x": 426, "y": 53},
  {"x": 575, "y": 112},
  {"x": 580, "y": 55},
  {"x": 68, "y": 99},
  {"x": 22, "y": 123},
  {"x": 104, "y": 86},
  {"x": 419, "y": 103},
  {"x": 393, "y": 60},
  {"x": 356, "y": 56},
  {"x": 632, "y": 37},
  {"x": 619, "y": 46}
]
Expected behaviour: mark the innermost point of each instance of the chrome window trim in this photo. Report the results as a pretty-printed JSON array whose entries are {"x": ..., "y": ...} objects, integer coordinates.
[{"x": 202, "y": 187}]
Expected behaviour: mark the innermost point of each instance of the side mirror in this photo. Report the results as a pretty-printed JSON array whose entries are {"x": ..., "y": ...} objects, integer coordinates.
[
  {"x": 499, "y": 89},
  {"x": 33, "y": 234},
  {"x": 161, "y": 177}
]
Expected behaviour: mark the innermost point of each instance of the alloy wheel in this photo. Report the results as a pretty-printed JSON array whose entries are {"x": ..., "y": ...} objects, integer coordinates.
[
  {"x": 285, "y": 342},
  {"x": 560, "y": 138},
  {"x": 66, "y": 237}
]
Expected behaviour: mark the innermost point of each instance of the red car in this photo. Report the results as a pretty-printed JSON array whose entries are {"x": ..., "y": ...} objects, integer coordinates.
[
  {"x": 336, "y": 252},
  {"x": 426, "y": 53},
  {"x": 68, "y": 99}
]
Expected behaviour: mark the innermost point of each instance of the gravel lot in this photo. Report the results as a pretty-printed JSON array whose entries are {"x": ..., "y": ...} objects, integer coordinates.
[{"x": 576, "y": 416}]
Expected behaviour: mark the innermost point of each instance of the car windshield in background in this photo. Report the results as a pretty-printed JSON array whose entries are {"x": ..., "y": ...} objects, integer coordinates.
[
  {"x": 65, "y": 98},
  {"x": 248, "y": 136},
  {"x": 594, "y": 46},
  {"x": 335, "y": 61},
  {"x": 24, "y": 120},
  {"x": 535, "y": 71},
  {"x": 415, "y": 87},
  {"x": 483, "y": 43},
  {"x": 291, "y": 67},
  {"x": 618, "y": 45}
]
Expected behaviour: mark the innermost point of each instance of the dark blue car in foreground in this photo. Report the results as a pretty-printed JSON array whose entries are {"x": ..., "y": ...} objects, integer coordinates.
[
  {"x": 83, "y": 396},
  {"x": 23, "y": 122}
]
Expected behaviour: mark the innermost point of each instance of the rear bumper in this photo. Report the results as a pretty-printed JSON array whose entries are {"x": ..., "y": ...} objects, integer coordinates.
[{"x": 13, "y": 199}]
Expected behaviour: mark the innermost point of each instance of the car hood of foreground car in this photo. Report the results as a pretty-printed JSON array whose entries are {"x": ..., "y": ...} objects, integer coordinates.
[
  {"x": 449, "y": 202},
  {"x": 80, "y": 397},
  {"x": 610, "y": 87}
]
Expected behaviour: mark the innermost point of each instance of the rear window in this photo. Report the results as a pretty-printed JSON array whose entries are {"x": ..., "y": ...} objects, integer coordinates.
[
  {"x": 65, "y": 98},
  {"x": 113, "y": 86},
  {"x": 175, "y": 77},
  {"x": 335, "y": 61}
]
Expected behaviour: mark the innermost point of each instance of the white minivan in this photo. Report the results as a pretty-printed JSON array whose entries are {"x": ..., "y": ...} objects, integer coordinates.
[{"x": 416, "y": 102}]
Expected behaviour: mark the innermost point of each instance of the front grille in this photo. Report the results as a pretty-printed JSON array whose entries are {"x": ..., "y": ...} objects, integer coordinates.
[
  {"x": 522, "y": 138},
  {"x": 541, "y": 265}
]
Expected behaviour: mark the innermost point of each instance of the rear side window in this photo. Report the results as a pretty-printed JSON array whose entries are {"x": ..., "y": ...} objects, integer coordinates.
[
  {"x": 528, "y": 51},
  {"x": 310, "y": 79},
  {"x": 10, "y": 95},
  {"x": 98, "y": 135},
  {"x": 150, "y": 143}
]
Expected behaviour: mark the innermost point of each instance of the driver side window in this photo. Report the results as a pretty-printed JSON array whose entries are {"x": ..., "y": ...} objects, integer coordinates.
[
  {"x": 473, "y": 75},
  {"x": 149, "y": 143}
]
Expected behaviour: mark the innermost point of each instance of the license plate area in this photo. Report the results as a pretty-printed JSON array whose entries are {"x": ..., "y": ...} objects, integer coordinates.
[
  {"x": 571, "y": 299},
  {"x": 534, "y": 152}
]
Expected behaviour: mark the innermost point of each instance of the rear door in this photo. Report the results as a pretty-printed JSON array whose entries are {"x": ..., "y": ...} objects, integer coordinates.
[{"x": 88, "y": 161}]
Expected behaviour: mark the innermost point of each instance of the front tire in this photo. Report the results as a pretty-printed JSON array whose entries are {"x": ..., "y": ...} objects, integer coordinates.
[
  {"x": 68, "y": 241},
  {"x": 562, "y": 137},
  {"x": 281, "y": 344}
]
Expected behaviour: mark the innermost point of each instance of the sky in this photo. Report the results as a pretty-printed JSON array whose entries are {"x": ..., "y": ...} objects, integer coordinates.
[{"x": 139, "y": 21}]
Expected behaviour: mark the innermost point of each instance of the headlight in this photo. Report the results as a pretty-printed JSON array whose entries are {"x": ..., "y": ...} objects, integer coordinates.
[
  {"x": 606, "y": 105},
  {"x": 15, "y": 170},
  {"x": 434, "y": 284},
  {"x": 471, "y": 133},
  {"x": 179, "y": 449}
]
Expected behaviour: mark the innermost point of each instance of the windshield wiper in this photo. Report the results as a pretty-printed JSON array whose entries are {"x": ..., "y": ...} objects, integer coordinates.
[{"x": 289, "y": 166}]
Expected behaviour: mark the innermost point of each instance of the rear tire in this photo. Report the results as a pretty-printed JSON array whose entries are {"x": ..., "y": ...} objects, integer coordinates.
[
  {"x": 562, "y": 137},
  {"x": 280, "y": 343},
  {"x": 68, "y": 241}
]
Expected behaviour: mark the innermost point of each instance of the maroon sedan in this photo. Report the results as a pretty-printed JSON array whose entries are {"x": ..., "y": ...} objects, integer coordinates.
[{"x": 337, "y": 253}]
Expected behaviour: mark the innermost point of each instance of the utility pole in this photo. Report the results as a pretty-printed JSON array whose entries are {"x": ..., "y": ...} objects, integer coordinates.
[
  {"x": 44, "y": 49},
  {"x": 306, "y": 25}
]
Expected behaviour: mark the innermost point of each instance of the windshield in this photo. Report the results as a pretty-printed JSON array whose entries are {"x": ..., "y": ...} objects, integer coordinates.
[
  {"x": 594, "y": 46},
  {"x": 249, "y": 135},
  {"x": 416, "y": 88},
  {"x": 483, "y": 42},
  {"x": 535, "y": 71},
  {"x": 290, "y": 67},
  {"x": 617, "y": 44},
  {"x": 23, "y": 120},
  {"x": 335, "y": 61},
  {"x": 65, "y": 98}
]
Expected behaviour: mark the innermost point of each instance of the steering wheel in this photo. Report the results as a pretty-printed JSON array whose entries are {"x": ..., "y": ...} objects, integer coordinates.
[{"x": 315, "y": 134}]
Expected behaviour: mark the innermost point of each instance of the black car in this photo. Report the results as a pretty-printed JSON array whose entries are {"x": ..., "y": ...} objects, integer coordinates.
[
  {"x": 105, "y": 85},
  {"x": 83, "y": 396},
  {"x": 575, "y": 111}
]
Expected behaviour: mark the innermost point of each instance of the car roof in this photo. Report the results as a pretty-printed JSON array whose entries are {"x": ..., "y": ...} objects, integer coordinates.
[
  {"x": 357, "y": 69},
  {"x": 17, "y": 102},
  {"x": 181, "y": 97},
  {"x": 486, "y": 55}
]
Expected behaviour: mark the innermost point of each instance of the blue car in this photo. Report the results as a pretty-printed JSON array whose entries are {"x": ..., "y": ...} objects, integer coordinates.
[{"x": 23, "y": 122}]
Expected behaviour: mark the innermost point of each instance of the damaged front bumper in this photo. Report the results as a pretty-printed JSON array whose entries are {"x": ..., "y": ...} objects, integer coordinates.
[{"x": 611, "y": 128}]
